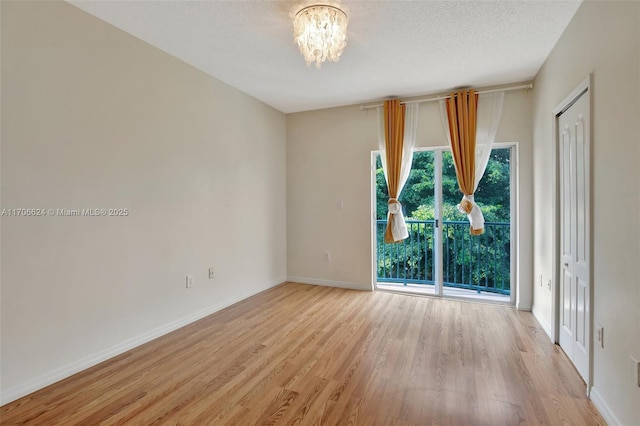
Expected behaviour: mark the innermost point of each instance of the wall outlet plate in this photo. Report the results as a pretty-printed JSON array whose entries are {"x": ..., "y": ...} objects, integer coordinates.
[
  {"x": 211, "y": 273},
  {"x": 600, "y": 335},
  {"x": 635, "y": 370},
  {"x": 189, "y": 281}
]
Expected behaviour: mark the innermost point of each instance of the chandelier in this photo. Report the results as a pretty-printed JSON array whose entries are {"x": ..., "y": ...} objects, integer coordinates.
[{"x": 320, "y": 32}]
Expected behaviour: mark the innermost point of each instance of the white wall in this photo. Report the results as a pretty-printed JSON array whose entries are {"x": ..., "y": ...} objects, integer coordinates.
[
  {"x": 604, "y": 39},
  {"x": 329, "y": 160},
  {"x": 94, "y": 118}
]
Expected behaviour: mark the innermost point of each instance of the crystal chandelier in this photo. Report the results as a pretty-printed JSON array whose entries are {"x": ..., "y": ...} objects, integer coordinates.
[{"x": 320, "y": 32}]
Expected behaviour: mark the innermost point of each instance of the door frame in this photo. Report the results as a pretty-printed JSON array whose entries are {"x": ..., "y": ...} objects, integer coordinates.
[
  {"x": 514, "y": 182},
  {"x": 583, "y": 89}
]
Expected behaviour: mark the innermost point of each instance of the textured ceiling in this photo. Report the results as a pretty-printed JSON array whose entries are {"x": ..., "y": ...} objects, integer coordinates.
[{"x": 394, "y": 48}]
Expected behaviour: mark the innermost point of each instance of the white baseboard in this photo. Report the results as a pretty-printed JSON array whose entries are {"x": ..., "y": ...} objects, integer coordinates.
[
  {"x": 523, "y": 307},
  {"x": 68, "y": 370},
  {"x": 327, "y": 283},
  {"x": 603, "y": 408},
  {"x": 542, "y": 321}
]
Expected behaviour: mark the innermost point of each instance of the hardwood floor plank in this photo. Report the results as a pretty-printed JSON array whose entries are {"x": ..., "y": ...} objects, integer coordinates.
[
  {"x": 311, "y": 355},
  {"x": 313, "y": 388},
  {"x": 278, "y": 408}
]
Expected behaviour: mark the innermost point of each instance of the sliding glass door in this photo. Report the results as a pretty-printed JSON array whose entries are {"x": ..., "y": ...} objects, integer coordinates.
[
  {"x": 411, "y": 263},
  {"x": 440, "y": 257}
]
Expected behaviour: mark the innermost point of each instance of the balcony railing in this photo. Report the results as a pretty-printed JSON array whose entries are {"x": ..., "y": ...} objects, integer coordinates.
[{"x": 480, "y": 263}]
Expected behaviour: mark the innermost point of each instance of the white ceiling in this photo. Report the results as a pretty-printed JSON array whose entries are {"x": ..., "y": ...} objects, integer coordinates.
[{"x": 394, "y": 48}]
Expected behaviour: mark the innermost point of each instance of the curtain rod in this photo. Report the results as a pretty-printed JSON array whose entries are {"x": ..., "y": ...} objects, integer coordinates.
[{"x": 437, "y": 98}]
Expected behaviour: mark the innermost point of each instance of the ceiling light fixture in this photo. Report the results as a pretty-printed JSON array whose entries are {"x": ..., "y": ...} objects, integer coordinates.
[{"x": 320, "y": 31}]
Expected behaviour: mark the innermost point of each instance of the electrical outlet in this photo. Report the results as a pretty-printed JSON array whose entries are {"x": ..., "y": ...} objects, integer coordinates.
[
  {"x": 600, "y": 335},
  {"x": 189, "y": 281},
  {"x": 211, "y": 273},
  {"x": 635, "y": 370},
  {"x": 327, "y": 256}
]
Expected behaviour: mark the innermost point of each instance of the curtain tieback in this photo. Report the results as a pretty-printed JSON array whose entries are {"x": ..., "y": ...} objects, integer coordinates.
[
  {"x": 394, "y": 206},
  {"x": 466, "y": 204},
  {"x": 469, "y": 207}
]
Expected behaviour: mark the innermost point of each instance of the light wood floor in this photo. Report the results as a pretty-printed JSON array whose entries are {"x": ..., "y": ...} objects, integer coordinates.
[{"x": 299, "y": 354}]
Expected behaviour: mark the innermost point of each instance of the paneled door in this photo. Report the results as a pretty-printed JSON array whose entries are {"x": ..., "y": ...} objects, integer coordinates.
[{"x": 573, "y": 136}]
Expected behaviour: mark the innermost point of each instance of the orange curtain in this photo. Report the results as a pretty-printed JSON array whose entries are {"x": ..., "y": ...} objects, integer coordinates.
[
  {"x": 462, "y": 114},
  {"x": 394, "y": 114}
]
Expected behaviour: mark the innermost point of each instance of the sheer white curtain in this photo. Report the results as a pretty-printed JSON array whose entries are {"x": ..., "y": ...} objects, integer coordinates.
[
  {"x": 488, "y": 118},
  {"x": 399, "y": 229}
]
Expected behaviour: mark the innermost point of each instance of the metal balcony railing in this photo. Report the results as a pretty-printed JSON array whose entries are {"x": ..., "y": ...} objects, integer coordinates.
[{"x": 480, "y": 263}]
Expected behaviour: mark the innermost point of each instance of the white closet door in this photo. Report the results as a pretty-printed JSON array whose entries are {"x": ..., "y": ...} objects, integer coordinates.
[{"x": 575, "y": 332}]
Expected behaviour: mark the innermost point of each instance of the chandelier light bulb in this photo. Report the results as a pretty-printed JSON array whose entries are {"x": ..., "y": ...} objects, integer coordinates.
[{"x": 320, "y": 31}]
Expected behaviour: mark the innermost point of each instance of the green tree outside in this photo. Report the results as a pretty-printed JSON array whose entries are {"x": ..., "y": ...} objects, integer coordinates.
[{"x": 417, "y": 197}]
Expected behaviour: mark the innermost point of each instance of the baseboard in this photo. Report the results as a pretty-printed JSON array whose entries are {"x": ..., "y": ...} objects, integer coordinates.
[
  {"x": 603, "y": 408},
  {"x": 542, "y": 321},
  {"x": 328, "y": 283},
  {"x": 75, "y": 367},
  {"x": 523, "y": 307}
]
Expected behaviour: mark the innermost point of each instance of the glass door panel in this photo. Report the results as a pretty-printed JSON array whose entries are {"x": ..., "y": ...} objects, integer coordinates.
[
  {"x": 478, "y": 266},
  {"x": 408, "y": 265}
]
